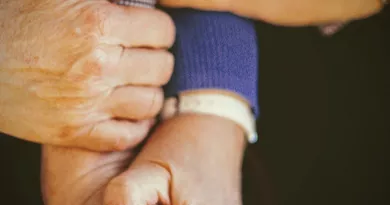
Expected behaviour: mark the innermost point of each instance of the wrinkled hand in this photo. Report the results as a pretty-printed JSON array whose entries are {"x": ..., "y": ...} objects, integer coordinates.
[
  {"x": 288, "y": 12},
  {"x": 82, "y": 73}
]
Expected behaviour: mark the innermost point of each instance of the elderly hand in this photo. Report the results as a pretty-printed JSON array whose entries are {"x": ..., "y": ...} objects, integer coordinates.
[
  {"x": 82, "y": 73},
  {"x": 288, "y": 12}
]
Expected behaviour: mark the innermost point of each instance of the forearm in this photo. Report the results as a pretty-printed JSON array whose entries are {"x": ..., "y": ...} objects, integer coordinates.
[
  {"x": 288, "y": 12},
  {"x": 310, "y": 12}
]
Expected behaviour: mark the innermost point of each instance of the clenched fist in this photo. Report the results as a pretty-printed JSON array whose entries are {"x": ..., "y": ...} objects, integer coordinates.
[
  {"x": 288, "y": 12},
  {"x": 82, "y": 73}
]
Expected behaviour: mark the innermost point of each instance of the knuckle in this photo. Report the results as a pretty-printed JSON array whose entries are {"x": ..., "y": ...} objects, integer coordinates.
[
  {"x": 155, "y": 103},
  {"x": 120, "y": 145},
  {"x": 95, "y": 65},
  {"x": 167, "y": 26},
  {"x": 151, "y": 103},
  {"x": 171, "y": 32},
  {"x": 165, "y": 68},
  {"x": 125, "y": 142},
  {"x": 94, "y": 17},
  {"x": 88, "y": 66},
  {"x": 170, "y": 61},
  {"x": 129, "y": 140}
]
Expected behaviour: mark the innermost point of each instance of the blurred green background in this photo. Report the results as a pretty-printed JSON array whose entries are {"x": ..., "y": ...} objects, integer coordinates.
[{"x": 324, "y": 122}]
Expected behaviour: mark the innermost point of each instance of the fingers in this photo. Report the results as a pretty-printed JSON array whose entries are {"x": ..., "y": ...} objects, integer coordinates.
[
  {"x": 114, "y": 69},
  {"x": 134, "y": 103},
  {"x": 140, "y": 185},
  {"x": 145, "y": 67},
  {"x": 137, "y": 27},
  {"x": 117, "y": 66},
  {"x": 117, "y": 135}
]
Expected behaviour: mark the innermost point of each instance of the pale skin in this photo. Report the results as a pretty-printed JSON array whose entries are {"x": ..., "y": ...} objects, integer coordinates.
[
  {"x": 66, "y": 79},
  {"x": 75, "y": 73},
  {"x": 90, "y": 172},
  {"x": 72, "y": 91},
  {"x": 72, "y": 95},
  {"x": 288, "y": 12},
  {"x": 182, "y": 163}
]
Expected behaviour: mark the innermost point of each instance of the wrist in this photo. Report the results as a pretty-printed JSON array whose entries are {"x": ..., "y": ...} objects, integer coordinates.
[
  {"x": 219, "y": 146},
  {"x": 188, "y": 138},
  {"x": 213, "y": 102},
  {"x": 210, "y": 131}
]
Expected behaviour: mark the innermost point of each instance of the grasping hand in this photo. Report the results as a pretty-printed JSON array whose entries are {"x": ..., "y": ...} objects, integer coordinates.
[{"x": 82, "y": 73}]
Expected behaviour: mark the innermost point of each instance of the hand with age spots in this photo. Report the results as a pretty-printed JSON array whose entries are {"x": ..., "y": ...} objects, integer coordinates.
[{"x": 82, "y": 73}]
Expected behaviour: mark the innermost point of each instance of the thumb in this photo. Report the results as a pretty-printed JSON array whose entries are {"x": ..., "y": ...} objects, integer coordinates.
[{"x": 141, "y": 184}]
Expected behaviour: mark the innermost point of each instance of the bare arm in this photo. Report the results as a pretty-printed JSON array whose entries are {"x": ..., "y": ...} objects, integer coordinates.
[
  {"x": 289, "y": 12},
  {"x": 211, "y": 138}
]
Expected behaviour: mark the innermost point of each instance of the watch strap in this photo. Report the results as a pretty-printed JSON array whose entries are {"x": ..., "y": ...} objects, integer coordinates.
[{"x": 221, "y": 105}]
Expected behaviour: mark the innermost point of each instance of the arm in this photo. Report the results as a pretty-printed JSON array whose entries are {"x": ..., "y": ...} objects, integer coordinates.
[
  {"x": 189, "y": 159},
  {"x": 196, "y": 158},
  {"x": 194, "y": 150},
  {"x": 214, "y": 50},
  {"x": 287, "y": 12},
  {"x": 173, "y": 142}
]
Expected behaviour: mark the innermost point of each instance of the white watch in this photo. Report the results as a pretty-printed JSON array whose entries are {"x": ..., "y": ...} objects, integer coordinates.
[{"x": 216, "y": 104}]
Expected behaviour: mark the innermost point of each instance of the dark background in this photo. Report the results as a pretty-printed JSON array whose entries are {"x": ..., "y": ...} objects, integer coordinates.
[{"x": 324, "y": 122}]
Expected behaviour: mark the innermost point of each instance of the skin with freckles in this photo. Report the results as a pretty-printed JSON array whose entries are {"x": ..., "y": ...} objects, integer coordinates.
[
  {"x": 82, "y": 73},
  {"x": 288, "y": 12},
  {"x": 189, "y": 160}
]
